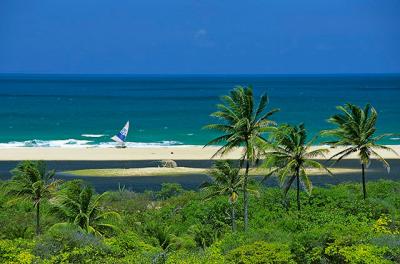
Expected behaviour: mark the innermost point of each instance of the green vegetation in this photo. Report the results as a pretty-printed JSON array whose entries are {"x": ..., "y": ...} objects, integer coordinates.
[
  {"x": 289, "y": 157},
  {"x": 356, "y": 131},
  {"x": 148, "y": 171},
  {"x": 336, "y": 225},
  {"x": 244, "y": 124},
  {"x": 75, "y": 203},
  {"x": 32, "y": 181},
  {"x": 226, "y": 181}
]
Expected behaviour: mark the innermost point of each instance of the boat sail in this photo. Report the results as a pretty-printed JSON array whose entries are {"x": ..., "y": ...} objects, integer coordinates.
[{"x": 121, "y": 136}]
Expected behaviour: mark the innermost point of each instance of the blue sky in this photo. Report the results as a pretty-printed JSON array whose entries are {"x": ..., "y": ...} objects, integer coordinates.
[{"x": 203, "y": 36}]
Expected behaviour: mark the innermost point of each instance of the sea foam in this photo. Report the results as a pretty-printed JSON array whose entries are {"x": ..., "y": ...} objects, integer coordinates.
[
  {"x": 164, "y": 143},
  {"x": 75, "y": 143},
  {"x": 46, "y": 143},
  {"x": 93, "y": 135}
]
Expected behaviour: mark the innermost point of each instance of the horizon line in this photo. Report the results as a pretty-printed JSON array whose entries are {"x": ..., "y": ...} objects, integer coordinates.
[{"x": 187, "y": 74}]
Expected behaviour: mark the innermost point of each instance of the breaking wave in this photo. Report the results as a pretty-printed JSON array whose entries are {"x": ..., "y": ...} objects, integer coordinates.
[
  {"x": 93, "y": 135},
  {"x": 46, "y": 143},
  {"x": 76, "y": 143},
  {"x": 164, "y": 143}
]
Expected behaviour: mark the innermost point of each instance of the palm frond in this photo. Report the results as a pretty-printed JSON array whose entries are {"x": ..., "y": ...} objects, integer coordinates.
[
  {"x": 343, "y": 153},
  {"x": 305, "y": 180},
  {"x": 288, "y": 185},
  {"x": 382, "y": 160},
  {"x": 241, "y": 122}
]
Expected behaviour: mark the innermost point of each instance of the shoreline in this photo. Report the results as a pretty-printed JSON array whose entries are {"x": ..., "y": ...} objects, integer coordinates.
[{"x": 141, "y": 153}]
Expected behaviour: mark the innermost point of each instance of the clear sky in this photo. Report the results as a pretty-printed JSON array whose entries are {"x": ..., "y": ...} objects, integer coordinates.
[{"x": 199, "y": 36}]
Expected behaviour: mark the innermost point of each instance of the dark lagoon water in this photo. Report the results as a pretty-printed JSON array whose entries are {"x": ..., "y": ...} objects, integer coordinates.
[
  {"x": 73, "y": 111},
  {"x": 193, "y": 182}
]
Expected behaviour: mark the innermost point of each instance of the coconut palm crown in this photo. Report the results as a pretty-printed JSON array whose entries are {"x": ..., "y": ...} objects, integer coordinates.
[
  {"x": 243, "y": 124},
  {"x": 226, "y": 182},
  {"x": 355, "y": 132},
  {"x": 290, "y": 156},
  {"x": 78, "y": 204},
  {"x": 32, "y": 180}
]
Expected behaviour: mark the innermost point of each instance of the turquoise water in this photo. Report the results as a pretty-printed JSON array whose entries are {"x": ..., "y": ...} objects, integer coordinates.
[{"x": 73, "y": 111}]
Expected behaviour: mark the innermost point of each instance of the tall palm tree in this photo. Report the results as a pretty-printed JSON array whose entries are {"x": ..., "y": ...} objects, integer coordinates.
[
  {"x": 289, "y": 156},
  {"x": 77, "y": 204},
  {"x": 227, "y": 181},
  {"x": 243, "y": 125},
  {"x": 356, "y": 133},
  {"x": 32, "y": 180}
]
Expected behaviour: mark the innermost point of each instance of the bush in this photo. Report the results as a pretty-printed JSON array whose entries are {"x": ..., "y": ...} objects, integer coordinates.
[
  {"x": 392, "y": 243},
  {"x": 66, "y": 242},
  {"x": 209, "y": 256},
  {"x": 358, "y": 254},
  {"x": 261, "y": 252},
  {"x": 16, "y": 251},
  {"x": 129, "y": 243},
  {"x": 169, "y": 190}
]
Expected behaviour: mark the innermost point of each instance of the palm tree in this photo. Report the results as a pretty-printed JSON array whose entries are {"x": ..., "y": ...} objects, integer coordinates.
[
  {"x": 289, "y": 157},
  {"x": 243, "y": 125},
  {"x": 32, "y": 180},
  {"x": 77, "y": 204},
  {"x": 355, "y": 132},
  {"x": 227, "y": 181}
]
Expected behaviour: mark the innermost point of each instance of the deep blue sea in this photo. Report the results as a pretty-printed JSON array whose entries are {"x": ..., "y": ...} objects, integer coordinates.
[{"x": 72, "y": 111}]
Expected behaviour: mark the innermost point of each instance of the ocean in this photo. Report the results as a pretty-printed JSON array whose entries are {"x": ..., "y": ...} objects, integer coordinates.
[{"x": 82, "y": 111}]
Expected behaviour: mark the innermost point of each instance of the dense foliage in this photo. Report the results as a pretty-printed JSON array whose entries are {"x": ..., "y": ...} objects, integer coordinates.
[{"x": 335, "y": 226}]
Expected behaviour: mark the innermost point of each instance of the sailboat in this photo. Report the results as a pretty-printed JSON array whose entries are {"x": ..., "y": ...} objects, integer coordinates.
[{"x": 120, "y": 138}]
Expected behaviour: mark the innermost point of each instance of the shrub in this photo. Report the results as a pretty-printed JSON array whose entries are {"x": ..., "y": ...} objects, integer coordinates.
[
  {"x": 385, "y": 225},
  {"x": 392, "y": 243},
  {"x": 128, "y": 243},
  {"x": 169, "y": 190},
  {"x": 16, "y": 251},
  {"x": 66, "y": 241},
  {"x": 261, "y": 252},
  {"x": 209, "y": 256},
  {"x": 204, "y": 235},
  {"x": 358, "y": 254}
]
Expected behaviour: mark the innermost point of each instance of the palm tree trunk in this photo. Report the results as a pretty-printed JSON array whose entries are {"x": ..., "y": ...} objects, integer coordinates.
[
  {"x": 245, "y": 196},
  {"x": 233, "y": 218},
  {"x": 298, "y": 191},
  {"x": 363, "y": 181},
  {"x": 38, "y": 218}
]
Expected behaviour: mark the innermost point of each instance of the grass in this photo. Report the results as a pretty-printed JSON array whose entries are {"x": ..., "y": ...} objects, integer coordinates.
[
  {"x": 178, "y": 171},
  {"x": 150, "y": 171}
]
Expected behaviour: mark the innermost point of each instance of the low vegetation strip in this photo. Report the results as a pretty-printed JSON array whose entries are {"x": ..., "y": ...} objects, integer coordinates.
[{"x": 150, "y": 171}]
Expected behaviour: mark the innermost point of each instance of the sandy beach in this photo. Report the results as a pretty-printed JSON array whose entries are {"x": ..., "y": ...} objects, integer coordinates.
[{"x": 148, "y": 153}]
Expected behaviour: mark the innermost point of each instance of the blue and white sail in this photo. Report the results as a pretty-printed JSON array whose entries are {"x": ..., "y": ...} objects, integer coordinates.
[{"x": 121, "y": 136}]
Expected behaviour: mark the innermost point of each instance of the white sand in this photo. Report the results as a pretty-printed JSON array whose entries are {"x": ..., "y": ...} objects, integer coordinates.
[{"x": 148, "y": 153}]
